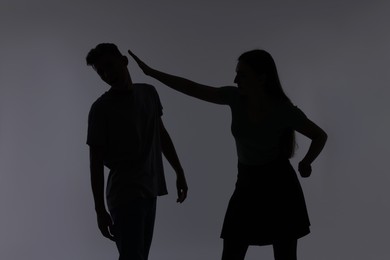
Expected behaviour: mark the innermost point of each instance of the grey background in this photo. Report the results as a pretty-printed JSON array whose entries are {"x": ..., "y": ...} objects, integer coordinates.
[{"x": 333, "y": 61}]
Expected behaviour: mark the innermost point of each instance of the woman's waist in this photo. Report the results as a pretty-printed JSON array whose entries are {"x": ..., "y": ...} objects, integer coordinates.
[
  {"x": 266, "y": 165},
  {"x": 263, "y": 178}
]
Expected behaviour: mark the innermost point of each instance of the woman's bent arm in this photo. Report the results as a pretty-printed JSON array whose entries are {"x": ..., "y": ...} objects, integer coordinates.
[{"x": 318, "y": 139}]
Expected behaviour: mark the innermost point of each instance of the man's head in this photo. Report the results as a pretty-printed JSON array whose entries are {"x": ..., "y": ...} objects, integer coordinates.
[{"x": 110, "y": 64}]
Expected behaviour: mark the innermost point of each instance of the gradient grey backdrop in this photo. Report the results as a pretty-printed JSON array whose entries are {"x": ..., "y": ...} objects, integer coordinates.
[{"x": 333, "y": 59}]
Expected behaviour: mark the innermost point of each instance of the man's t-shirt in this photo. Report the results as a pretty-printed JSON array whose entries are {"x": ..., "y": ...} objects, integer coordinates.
[{"x": 126, "y": 124}]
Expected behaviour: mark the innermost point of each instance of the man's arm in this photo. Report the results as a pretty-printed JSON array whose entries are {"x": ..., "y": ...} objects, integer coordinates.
[
  {"x": 97, "y": 182},
  {"x": 169, "y": 152}
]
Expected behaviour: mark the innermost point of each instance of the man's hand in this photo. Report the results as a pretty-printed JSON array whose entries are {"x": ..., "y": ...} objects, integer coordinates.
[
  {"x": 182, "y": 188},
  {"x": 105, "y": 224},
  {"x": 145, "y": 68},
  {"x": 304, "y": 169}
]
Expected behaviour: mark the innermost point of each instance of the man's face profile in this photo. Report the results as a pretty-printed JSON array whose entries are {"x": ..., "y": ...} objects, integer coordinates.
[{"x": 112, "y": 69}]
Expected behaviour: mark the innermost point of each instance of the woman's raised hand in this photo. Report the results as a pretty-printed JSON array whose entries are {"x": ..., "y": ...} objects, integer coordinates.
[{"x": 145, "y": 68}]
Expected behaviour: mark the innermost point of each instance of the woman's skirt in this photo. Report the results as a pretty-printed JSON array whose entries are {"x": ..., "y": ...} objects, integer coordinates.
[{"x": 267, "y": 205}]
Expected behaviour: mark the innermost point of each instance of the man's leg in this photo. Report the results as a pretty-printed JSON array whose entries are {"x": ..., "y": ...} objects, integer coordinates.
[
  {"x": 149, "y": 226},
  {"x": 133, "y": 228}
]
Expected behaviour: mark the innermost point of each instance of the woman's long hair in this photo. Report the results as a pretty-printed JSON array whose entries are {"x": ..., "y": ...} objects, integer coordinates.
[{"x": 263, "y": 64}]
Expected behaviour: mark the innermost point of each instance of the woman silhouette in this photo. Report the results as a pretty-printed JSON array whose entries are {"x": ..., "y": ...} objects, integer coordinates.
[{"x": 267, "y": 206}]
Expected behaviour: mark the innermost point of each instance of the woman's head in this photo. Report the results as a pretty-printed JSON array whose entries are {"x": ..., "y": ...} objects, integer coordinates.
[{"x": 257, "y": 68}]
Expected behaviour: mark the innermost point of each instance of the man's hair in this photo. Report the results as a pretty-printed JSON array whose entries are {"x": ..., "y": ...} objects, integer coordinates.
[{"x": 101, "y": 50}]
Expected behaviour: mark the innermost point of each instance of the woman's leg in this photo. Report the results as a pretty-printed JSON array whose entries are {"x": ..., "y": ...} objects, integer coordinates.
[
  {"x": 233, "y": 250},
  {"x": 285, "y": 250}
]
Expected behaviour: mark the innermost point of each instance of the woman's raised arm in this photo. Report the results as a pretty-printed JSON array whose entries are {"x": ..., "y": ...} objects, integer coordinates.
[{"x": 188, "y": 87}]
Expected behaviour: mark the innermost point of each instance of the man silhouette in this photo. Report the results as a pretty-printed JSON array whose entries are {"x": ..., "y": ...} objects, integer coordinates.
[{"x": 126, "y": 134}]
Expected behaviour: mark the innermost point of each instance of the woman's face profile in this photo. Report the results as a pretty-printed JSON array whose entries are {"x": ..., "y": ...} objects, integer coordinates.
[{"x": 246, "y": 79}]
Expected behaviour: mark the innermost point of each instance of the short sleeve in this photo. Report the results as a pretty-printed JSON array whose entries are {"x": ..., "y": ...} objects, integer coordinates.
[
  {"x": 294, "y": 116},
  {"x": 228, "y": 94},
  {"x": 158, "y": 102},
  {"x": 97, "y": 126}
]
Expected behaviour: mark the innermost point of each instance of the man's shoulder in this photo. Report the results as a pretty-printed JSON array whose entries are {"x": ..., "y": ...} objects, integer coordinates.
[
  {"x": 145, "y": 90},
  {"x": 144, "y": 87},
  {"x": 140, "y": 84},
  {"x": 101, "y": 101}
]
